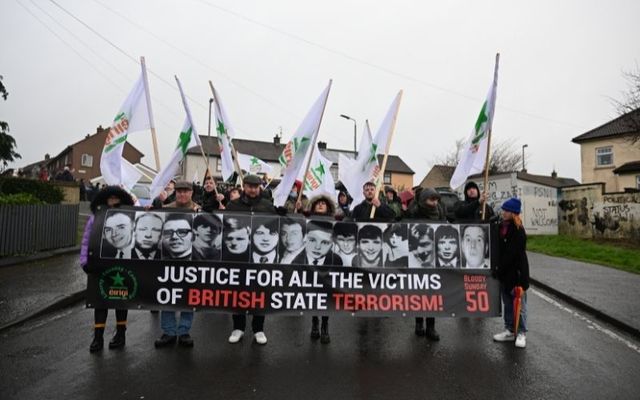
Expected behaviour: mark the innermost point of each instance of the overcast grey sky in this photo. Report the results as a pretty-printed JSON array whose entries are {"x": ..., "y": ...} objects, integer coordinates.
[{"x": 561, "y": 62}]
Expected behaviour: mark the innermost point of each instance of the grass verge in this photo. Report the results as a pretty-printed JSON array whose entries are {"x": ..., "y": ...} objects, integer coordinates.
[{"x": 623, "y": 256}]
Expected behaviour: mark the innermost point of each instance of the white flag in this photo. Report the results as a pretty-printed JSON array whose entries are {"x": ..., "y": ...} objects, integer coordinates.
[
  {"x": 355, "y": 173},
  {"x": 225, "y": 136},
  {"x": 319, "y": 180},
  {"x": 253, "y": 165},
  {"x": 188, "y": 139},
  {"x": 294, "y": 155},
  {"x": 474, "y": 151},
  {"x": 133, "y": 116}
]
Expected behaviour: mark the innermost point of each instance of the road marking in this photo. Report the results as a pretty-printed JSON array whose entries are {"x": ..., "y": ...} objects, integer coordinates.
[{"x": 590, "y": 323}]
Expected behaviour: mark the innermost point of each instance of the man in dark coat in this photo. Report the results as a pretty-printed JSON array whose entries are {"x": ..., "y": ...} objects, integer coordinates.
[
  {"x": 249, "y": 201},
  {"x": 470, "y": 209},
  {"x": 362, "y": 211}
]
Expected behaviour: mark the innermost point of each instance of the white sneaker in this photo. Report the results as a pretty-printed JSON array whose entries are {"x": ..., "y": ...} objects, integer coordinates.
[
  {"x": 521, "y": 340},
  {"x": 260, "y": 338},
  {"x": 506, "y": 336},
  {"x": 236, "y": 335}
]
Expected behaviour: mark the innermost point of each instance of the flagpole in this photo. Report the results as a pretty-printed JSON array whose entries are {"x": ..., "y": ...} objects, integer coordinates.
[
  {"x": 209, "y": 129},
  {"x": 236, "y": 165},
  {"x": 154, "y": 139},
  {"x": 186, "y": 109},
  {"x": 313, "y": 145},
  {"x": 488, "y": 157},
  {"x": 386, "y": 153}
]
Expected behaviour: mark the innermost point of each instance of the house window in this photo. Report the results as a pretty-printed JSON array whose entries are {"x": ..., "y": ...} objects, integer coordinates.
[
  {"x": 387, "y": 178},
  {"x": 219, "y": 164},
  {"x": 637, "y": 181},
  {"x": 604, "y": 156},
  {"x": 86, "y": 160}
]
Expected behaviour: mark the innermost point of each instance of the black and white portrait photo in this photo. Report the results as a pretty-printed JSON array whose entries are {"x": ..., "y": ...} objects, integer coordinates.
[
  {"x": 177, "y": 236},
  {"x": 344, "y": 236},
  {"x": 447, "y": 247},
  {"x": 421, "y": 246},
  {"x": 370, "y": 241},
  {"x": 117, "y": 235},
  {"x": 236, "y": 238},
  {"x": 264, "y": 239},
  {"x": 318, "y": 245},
  {"x": 292, "y": 232},
  {"x": 147, "y": 232},
  {"x": 207, "y": 240},
  {"x": 475, "y": 246},
  {"x": 396, "y": 246}
]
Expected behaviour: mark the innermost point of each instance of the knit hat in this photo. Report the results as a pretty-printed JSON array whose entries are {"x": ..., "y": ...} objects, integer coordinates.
[
  {"x": 513, "y": 205},
  {"x": 298, "y": 184}
]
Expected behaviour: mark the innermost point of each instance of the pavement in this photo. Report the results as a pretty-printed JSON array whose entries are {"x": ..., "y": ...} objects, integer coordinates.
[{"x": 40, "y": 285}]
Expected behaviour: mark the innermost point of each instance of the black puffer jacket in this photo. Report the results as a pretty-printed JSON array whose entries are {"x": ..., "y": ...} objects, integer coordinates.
[
  {"x": 513, "y": 268},
  {"x": 420, "y": 210}
]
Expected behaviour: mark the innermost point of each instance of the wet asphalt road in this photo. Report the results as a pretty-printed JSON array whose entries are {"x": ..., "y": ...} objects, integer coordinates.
[{"x": 567, "y": 357}]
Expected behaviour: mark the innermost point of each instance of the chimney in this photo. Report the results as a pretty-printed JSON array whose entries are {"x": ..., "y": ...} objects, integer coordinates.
[
  {"x": 554, "y": 174},
  {"x": 47, "y": 157},
  {"x": 322, "y": 145},
  {"x": 276, "y": 140}
]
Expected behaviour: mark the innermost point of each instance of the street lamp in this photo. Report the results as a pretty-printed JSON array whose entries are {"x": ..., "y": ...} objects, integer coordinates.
[
  {"x": 355, "y": 131},
  {"x": 523, "y": 146}
]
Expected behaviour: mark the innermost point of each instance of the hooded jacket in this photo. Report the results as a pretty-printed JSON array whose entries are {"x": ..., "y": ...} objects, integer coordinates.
[
  {"x": 420, "y": 209},
  {"x": 470, "y": 209},
  {"x": 331, "y": 205}
]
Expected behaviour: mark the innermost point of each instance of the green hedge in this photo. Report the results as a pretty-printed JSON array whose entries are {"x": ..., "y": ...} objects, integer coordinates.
[
  {"x": 43, "y": 191},
  {"x": 19, "y": 199}
]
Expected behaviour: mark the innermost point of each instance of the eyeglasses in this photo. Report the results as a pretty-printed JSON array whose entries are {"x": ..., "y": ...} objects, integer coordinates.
[{"x": 180, "y": 232}]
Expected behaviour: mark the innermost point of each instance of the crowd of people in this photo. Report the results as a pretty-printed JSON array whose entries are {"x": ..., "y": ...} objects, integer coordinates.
[{"x": 138, "y": 235}]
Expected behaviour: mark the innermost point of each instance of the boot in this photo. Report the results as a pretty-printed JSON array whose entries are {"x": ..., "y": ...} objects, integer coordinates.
[
  {"x": 98, "y": 341},
  {"x": 324, "y": 332},
  {"x": 315, "y": 331},
  {"x": 431, "y": 332},
  {"x": 118, "y": 339},
  {"x": 420, "y": 327}
]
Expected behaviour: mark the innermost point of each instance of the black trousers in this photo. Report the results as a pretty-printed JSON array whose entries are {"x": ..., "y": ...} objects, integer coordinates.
[
  {"x": 100, "y": 316},
  {"x": 240, "y": 322},
  {"x": 431, "y": 322}
]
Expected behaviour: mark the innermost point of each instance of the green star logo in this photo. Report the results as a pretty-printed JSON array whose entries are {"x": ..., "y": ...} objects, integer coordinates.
[
  {"x": 482, "y": 118},
  {"x": 118, "y": 280},
  {"x": 254, "y": 161},
  {"x": 320, "y": 170},
  {"x": 183, "y": 140},
  {"x": 372, "y": 153},
  {"x": 220, "y": 128}
]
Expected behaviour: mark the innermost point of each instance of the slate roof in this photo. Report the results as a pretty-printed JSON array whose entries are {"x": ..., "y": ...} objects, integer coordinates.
[
  {"x": 624, "y": 124},
  {"x": 269, "y": 151},
  {"x": 626, "y": 168},
  {"x": 546, "y": 180}
]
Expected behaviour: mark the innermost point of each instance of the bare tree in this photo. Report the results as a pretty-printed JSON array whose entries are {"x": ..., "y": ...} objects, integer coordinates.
[
  {"x": 7, "y": 142},
  {"x": 629, "y": 104},
  {"x": 505, "y": 157}
]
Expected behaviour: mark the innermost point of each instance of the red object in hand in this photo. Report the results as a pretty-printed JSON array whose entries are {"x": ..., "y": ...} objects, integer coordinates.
[{"x": 517, "y": 305}]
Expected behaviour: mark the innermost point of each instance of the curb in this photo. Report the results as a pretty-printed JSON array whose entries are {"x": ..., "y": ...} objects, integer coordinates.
[
  {"x": 586, "y": 307},
  {"x": 5, "y": 262},
  {"x": 64, "y": 302}
]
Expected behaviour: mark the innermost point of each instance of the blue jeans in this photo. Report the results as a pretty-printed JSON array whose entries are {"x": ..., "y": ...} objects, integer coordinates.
[
  {"x": 507, "y": 300},
  {"x": 168, "y": 323}
]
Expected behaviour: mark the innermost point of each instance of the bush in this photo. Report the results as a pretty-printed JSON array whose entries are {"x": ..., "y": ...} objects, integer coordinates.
[
  {"x": 19, "y": 199},
  {"x": 43, "y": 191}
]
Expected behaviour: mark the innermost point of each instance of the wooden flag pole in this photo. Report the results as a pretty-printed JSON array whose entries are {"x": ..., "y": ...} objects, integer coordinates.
[
  {"x": 386, "y": 154},
  {"x": 154, "y": 139},
  {"x": 313, "y": 145},
  {"x": 487, "y": 159},
  {"x": 234, "y": 153}
]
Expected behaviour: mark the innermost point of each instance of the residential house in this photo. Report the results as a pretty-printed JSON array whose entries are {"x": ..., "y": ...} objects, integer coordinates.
[
  {"x": 608, "y": 155},
  {"x": 82, "y": 157},
  {"x": 438, "y": 176}
]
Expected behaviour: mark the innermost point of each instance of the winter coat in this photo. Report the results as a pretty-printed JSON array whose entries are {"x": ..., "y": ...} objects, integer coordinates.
[
  {"x": 208, "y": 201},
  {"x": 420, "y": 210},
  {"x": 331, "y": 205},
  {"x": 470, "y": 210},
  {"x": 362, "y": 211},
  {"x": 513, "y": 267},
  {"x": 246, "y": 204}
]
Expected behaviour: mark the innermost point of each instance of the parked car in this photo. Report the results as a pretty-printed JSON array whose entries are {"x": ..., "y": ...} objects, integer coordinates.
[{"x": 449, "y": 199}]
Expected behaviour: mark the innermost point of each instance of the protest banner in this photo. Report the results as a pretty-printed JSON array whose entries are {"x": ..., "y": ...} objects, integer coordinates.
[{"x": 268, "y": 264}]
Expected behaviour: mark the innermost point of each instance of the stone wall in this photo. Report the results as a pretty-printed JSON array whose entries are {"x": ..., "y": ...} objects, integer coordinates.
[{"x": 586, "y": 211}]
